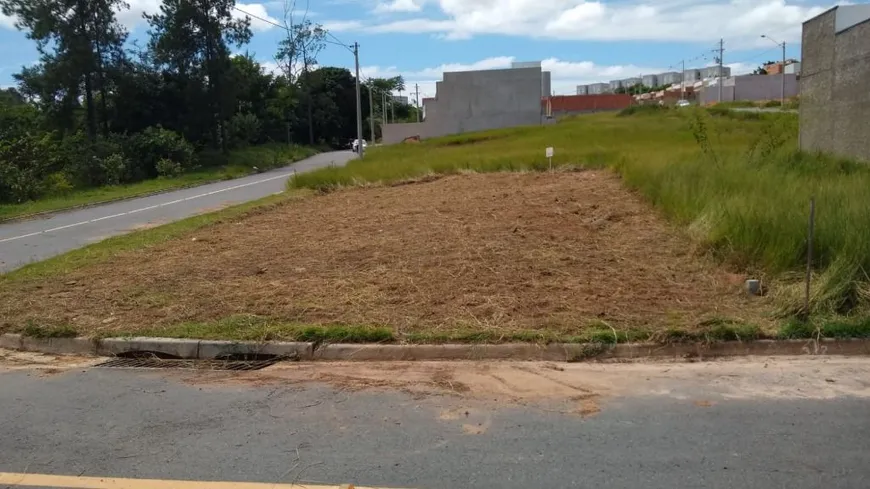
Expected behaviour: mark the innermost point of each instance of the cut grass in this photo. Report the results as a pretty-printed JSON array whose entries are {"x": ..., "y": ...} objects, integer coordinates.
[
  {"x": 733, "y": 180},
  {"x": 34, "y": 330},
  {"x": 216, "y": 168},
  {"x": 138, "y": 240},
  {"x": 557, "y": 253},
  {"x": 256, "y": 328}
]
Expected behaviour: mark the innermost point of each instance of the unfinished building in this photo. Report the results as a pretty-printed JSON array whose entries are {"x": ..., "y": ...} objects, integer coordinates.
[
  {"x": 835, "y": 82},
  {"x": 475, "y": 101}
]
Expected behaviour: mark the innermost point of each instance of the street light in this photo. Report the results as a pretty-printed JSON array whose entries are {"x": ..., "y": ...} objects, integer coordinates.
[{"x": 782, "y": 71}]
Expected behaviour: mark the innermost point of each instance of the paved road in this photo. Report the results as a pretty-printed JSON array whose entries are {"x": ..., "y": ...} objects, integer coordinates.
[
  {"x": 799, "y": 424},
  {"x": 27, "y": 241}
]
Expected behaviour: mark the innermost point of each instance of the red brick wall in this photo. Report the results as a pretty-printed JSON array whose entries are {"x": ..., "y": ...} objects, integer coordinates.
[{"x": 586, "y": 103}]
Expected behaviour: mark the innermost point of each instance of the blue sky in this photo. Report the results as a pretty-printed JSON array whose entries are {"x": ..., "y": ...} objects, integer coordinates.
[{"x": 579, "y": 41}]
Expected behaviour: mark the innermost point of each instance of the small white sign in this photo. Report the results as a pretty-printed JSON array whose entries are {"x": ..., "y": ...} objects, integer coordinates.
[{"x": 550, "y": 152}]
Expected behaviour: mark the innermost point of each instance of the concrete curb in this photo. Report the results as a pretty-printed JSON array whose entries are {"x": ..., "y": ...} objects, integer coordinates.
[{"x": 203, "y": 349}]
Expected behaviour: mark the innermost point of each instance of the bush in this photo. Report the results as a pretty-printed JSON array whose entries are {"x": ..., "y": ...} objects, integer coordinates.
[
  {"x": 24, "y": 164},
  {"x": 772, "y": 103},
  {"x": 146, "y": 149},
  {"x": 244, "y": 129},
  {"x": 113, "y": 169},
  {"x": 168, "y": 168},
  {"x": 57, "y": 184}
]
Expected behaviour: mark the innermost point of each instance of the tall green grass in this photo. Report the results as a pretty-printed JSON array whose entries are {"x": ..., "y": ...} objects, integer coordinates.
[{"x": 734, "y": 180}]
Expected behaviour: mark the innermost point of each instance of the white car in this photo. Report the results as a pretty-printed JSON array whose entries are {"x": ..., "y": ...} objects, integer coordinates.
[
  {"x": 683, "y": 103},
  {"x": 355, "y": 145}
]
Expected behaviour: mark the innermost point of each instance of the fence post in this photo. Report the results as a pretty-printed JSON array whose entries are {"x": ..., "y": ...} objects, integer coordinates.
[{"x": 810, "y": 232}]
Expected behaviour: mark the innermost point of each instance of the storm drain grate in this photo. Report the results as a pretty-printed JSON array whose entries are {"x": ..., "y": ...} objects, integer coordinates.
[{"x": 159, "y": 363}]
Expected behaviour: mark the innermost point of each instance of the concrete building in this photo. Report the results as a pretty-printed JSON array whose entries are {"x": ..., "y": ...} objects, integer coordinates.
[
  {"x": 669, "y": 78},
  {"x": 582, "y": 89},
  {"x": 525, "y": 64},
  {"x": 749, "y": 87},
  {"x": 615, "y": 85},
  {"x": 475, "y": 101},
  {"x": 691, "y": 76},
  {"x": 650, "y": 80},
  {"x": 630, "y": 82},
  {"x": 835, "y": 99},
  {"x": 713, "y": 72},
  {"x": 546, "y": 76},
  {"x": 400, "y": 99},
  {"x": 597, "y": 88},
  {"x": 793, "y": 68}
]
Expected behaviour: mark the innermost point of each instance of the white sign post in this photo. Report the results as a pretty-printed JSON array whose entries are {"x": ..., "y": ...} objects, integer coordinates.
[{"x": 550, "y": 153}]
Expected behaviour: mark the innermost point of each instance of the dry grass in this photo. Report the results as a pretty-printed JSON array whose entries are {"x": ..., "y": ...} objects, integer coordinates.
[{"x": 497, "y": 252}]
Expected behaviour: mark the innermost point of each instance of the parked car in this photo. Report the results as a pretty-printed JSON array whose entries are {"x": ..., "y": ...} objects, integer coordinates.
[
  {"x": 355, "y": 145},
  {"x": 683, "y": 103}
]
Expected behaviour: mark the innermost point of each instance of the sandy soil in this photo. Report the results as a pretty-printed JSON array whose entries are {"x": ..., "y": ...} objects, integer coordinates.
[
  {"x": 496, "y": 251},
  {"x": 582, "y": 389}
]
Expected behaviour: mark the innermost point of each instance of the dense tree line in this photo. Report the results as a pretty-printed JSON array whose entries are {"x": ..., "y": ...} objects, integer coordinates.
[{"x": 98, "y": 109}]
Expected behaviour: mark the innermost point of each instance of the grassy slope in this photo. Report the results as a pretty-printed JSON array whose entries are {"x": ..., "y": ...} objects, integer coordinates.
[
  {"x": 733, "y": 180},
  {"x": 240, "y": 163}
]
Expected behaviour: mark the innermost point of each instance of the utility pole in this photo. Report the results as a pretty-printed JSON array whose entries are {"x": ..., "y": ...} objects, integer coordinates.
[
  {"x": 417, "y": 87},
  {"x": 359, "y": 129},
  {"x": 721, "y": 54},
  {"x": 683, "y": 82},
  {"x": 782, "y": 70},
  {"x": 384, "y": 106},
  {"x": 392, "y": 109},
  {"x": 371, "y": 112},
  {"x": 782, "y": 78}
]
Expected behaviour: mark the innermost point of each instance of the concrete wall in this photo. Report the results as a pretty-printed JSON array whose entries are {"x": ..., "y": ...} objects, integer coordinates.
[
  {"x": 477, "y": 101},
  {"x": 751, "y": 87},
  {"x": 562, "y": 105},
  {"x": 396, "y": 133},
  {"x": 835, "y": 84}
]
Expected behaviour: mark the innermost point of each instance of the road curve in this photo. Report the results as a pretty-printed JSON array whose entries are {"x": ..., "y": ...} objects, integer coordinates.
[{"x": 24, "y": 242}]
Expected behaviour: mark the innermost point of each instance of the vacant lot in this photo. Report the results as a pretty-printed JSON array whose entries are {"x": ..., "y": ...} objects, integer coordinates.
[
  {"x": 497, "y": 254},
  {"x": 734, "y": 181}
]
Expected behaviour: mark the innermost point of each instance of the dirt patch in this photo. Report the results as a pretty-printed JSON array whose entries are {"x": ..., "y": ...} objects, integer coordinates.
[
  {"x": 48, "y": 365},
  {"x": 489, "y": 252},
  {"x": 577, "y": 389}
]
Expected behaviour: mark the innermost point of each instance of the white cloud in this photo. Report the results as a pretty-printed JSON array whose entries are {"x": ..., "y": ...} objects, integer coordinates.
[
  {"x": 6, "y": 22},
  {"x": 566, "y": 75},
  {"x": 256, "y": 10},
  {"x": 132, "y": 18},
  {"x": 740, "y": 22},
  {"x": 400, "y": 6}
]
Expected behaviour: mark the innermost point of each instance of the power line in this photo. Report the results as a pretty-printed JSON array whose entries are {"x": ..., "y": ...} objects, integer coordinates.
[{"x": 286, "y": 28}]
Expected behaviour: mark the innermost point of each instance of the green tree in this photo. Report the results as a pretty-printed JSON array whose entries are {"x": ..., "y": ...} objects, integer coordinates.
[
  {"x": 297, "y": 55},
  {"x": 190, "y": 39},
  {"x": 78, "y": 41}
]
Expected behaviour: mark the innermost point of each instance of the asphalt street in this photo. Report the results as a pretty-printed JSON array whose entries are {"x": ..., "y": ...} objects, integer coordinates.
[
  {"x": 27, "y": 241},
  {"x": 800, "y": 425}
]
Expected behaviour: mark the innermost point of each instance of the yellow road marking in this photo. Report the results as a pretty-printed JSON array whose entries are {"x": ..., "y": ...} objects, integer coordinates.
[{"x": 73, "y": 482}]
